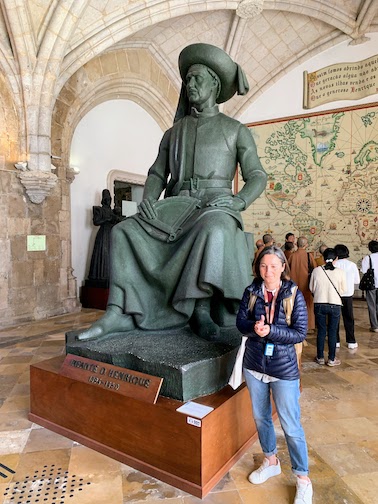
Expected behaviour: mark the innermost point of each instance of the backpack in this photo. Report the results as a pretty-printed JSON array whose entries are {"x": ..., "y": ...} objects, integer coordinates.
[
  {"x": 288, "y": 304},
  {"x": 236, "y": 378}
]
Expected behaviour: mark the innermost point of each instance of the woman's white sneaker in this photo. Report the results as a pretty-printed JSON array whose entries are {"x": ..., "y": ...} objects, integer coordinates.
[
  {"x": 264, "y": 472},
  {"x": 304, "y": 492}
]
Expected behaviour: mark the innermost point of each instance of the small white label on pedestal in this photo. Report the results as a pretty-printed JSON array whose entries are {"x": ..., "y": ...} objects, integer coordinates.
[
  {"x": 195, "y": 409},
  {"x": 193, "y": 421}
]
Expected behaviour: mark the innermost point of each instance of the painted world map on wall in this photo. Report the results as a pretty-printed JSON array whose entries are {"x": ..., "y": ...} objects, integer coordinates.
[{"x": 322, "y": 179}]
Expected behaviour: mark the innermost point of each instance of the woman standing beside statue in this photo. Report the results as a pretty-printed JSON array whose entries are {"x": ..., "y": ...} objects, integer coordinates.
[{"x": 271, "y": 366}]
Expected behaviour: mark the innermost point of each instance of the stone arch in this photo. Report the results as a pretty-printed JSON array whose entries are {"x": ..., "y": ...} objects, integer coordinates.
[
  {"x": 129, "y": 73},
  {"x": 104, "y": 35},
  {"x": 10, "y": 135}
]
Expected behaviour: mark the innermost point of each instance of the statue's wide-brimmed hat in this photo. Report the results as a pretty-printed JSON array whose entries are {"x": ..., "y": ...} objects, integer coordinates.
[{"x": 230, "y": 74}]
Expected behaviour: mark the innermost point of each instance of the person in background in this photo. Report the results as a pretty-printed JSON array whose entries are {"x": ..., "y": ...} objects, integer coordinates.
[
  {"x": 270, "y": 366},
  {"x": 320, "y": 259},
  {"x": 268, "y": 241},
  {"x": 352, "y": 278},
  {"x": 289, "y": 238},
  {"x": 259, "y": 246},
  {"x": 372, "y": 295},
  {"x": 328, "y": 284},
  {"x": 301, "y": 265},
  {"x": 288, "y": 249}
]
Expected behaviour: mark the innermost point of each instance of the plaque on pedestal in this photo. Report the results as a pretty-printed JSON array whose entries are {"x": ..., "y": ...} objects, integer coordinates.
[
  {"x": 123, "y": 381},
  {"x": 184, "y": 451}
]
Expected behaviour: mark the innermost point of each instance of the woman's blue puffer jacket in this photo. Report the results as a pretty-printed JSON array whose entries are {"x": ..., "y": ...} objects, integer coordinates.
[{"x": 283, "y": 363}]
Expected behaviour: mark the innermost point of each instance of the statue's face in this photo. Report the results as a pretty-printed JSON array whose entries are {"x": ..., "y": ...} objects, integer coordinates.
[{"x": 200, "y": 86}]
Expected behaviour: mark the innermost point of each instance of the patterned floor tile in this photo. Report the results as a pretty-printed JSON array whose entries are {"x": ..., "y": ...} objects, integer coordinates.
[{"x": 339, "y": 415}]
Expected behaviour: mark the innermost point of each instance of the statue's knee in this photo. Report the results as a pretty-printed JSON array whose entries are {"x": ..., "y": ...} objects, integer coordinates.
[
  {"x": 121, "y": 230},
  {"x": 220, "y": 225}
]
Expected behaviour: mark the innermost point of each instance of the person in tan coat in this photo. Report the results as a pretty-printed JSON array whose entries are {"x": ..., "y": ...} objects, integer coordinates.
[
  {"x": 259, "y": 246},
  {"x": 320, "y": 259},
  {"x": 301, "y": 265}
]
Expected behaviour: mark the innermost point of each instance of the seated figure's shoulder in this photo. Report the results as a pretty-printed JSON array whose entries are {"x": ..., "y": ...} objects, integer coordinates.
[
  {"x": 164, "y": 143},
  {"x": 168, "y": 132},
  {"x": 232, "y": 128},
  {"x": 230, "y": 121}
]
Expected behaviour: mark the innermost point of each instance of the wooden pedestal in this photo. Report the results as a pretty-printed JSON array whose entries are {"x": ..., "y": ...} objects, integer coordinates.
[{"x": 152, "y": 438}]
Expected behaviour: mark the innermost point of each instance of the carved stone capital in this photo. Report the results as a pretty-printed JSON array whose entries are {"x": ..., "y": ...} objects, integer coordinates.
[
  {"x": 71, "y": 173},
  {"x": 358, "y": 39},
  {"x": 37, "y": 184},
  {"x": 249, "y": 8}
]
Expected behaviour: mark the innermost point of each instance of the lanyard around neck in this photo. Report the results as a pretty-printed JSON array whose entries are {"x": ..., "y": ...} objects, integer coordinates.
[{"x": 270, "y": 305}]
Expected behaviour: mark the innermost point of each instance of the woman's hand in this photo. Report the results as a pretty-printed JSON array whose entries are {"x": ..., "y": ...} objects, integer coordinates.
[{"x": 261, "y": 328}]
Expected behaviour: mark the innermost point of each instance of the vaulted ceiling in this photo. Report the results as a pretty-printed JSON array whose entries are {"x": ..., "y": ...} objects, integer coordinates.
[{"x": 43, "y": 42}]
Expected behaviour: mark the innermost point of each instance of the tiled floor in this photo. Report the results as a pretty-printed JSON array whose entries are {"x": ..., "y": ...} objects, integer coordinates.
[{"x": 339, "y": 414}]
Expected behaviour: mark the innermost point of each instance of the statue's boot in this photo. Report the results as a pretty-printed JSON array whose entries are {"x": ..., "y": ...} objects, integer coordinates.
[
  {"x": 114, "y": 320},
  {"x": 201, "y": 322}
]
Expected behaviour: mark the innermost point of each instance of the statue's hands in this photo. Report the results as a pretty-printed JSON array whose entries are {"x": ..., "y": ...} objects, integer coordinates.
[
  {"x": 228, "y": 201},
  {"x": 146, "y": 208}
]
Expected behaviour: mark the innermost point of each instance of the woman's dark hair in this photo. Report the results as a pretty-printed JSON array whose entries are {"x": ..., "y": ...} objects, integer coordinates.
[
  {"x": 373, "y": 246},
  {"x": 329, "y": 256},
  {"x": 342, "y": 251},
  {"x": 285, "y": 275}
]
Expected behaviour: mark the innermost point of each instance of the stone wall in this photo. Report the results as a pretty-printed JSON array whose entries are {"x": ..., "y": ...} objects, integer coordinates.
[
  {"x": 130, "y": 73},
  {"x": 33, "y": 285},
  {"x": 40, "y": 284}
]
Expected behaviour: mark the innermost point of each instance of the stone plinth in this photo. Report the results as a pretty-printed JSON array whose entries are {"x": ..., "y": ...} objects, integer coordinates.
[{"x": 190, "y": 366}]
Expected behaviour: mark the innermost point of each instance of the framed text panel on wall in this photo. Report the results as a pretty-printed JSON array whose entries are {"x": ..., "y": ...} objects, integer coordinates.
[{"x": 322, "y": 178}]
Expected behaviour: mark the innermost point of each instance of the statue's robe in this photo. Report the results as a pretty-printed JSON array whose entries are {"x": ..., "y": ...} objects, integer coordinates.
[{"x": 159, "y": 281}]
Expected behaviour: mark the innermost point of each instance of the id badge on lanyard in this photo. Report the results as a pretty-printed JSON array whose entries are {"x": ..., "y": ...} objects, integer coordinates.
[
  {"x": 269, "y": 311},
  {"x": 269, "y": 349}
]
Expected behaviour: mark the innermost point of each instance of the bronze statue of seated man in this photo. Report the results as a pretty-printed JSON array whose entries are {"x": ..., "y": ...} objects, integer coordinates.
[{"x": 184, "y": 259}]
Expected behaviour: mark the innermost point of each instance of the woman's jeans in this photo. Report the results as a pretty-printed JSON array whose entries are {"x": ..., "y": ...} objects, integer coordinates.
[
  {"x": 327, "y": 318},
  {"x": 286, "y": 398}
]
